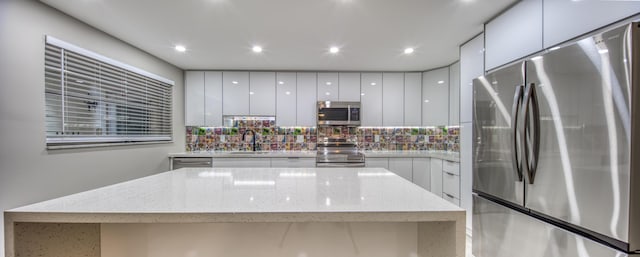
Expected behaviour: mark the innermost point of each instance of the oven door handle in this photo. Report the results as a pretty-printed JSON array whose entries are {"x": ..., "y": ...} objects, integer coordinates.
[
  {"x": 348, "y": 113},
  {"x": 339, "y": 165}
]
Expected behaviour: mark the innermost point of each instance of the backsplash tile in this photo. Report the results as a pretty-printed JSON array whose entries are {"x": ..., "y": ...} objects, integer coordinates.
[{"x": 273, "y": 138}]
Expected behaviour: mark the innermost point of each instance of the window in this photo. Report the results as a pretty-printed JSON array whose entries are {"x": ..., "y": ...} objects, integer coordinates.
[{"x": 92, "y": 100}]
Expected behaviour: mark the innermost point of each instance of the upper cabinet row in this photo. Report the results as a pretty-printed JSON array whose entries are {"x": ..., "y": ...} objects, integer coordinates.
[
  {"x": 387, "y": 99},
  {"x": 532, "y": 25}
]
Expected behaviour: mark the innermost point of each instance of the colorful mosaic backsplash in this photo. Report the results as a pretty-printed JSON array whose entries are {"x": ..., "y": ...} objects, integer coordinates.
[{"x": 272, "y": 138}]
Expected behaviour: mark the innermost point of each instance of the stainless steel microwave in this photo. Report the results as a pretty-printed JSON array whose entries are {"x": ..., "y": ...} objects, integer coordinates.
[{"x": 331, "y": 113}]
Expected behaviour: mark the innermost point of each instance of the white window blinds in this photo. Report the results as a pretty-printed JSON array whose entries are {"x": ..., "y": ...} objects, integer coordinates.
[{"x": 92, "y": 100}]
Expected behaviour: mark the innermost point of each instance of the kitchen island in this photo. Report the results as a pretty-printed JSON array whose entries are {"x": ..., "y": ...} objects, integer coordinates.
[{"x": 243, "y": 212}]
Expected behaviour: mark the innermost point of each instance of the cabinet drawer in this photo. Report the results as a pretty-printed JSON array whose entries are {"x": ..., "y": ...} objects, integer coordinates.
[
  {"x": 449, "y": 166},
  {"x": 377, "y": 163},
  {"x": 293, "y": 162},
  {"x": 451, "y": 199},
  {"x": 241, "y": 162},
  {"x": 451, "y": 184}
]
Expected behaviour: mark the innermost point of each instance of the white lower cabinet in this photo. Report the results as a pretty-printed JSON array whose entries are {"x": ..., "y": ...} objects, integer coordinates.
[
  {"x": 402, "y": 167},
  {"x": 241, "y": 162},
  {"x": 293, "y": 162},
  {"x": 436, "y": 176},
  {"x": 450, "y": 185},
  {"x": 453, "y": 200},
  {"x": 377, "y": 163},
  {"x": 422, "y": 172}
]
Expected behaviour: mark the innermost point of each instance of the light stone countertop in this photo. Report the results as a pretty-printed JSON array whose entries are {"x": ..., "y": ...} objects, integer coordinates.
[
  {"x": 249, "y": 195},
  {"x": 455, "y": 157}
]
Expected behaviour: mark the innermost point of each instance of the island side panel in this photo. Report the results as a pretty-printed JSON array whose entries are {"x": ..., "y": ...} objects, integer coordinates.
[
  {"x": 54, "y": 240},
  {"x": 271, "y": 239},
  {"x": 442, "y": 239}
]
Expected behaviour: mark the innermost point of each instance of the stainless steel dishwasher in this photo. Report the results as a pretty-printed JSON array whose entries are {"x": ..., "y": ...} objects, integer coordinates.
[{"x": 190, "y": 162}]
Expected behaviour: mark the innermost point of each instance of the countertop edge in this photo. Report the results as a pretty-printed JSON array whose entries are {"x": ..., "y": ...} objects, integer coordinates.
[{"x": 168, "y": 217}]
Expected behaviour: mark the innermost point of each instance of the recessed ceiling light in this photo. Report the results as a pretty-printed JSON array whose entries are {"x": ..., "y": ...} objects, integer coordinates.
[
  {"x": 408, "y": 50},
  {"x": 327, "y": 93},
  {"x": 328, "y": 83},
  {"x": 180, "y": 48},
  {"x": 234, "y": 82},
  {"x": 287, "y": 93},
  {"x": 373, "y": 83},
  {"x": 441, "y": 82},
  {"x": 257, "y": 49},
  {"x": 281, "y": 82},
  {"x": 361, "y": 93},
  {"x": 426, "y": 101},
  {"x": 251, "y": 93},
  {"x": 334, "y": 50}
]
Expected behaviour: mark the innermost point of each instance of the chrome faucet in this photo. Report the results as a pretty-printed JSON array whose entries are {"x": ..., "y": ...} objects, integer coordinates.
[{"x": 253, "y": 141}]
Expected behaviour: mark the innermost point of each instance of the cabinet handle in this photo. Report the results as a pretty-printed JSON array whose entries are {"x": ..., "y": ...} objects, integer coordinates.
[
  {"x": 449, "y": 173},
  {"x": 450, "y": 196},
  {"x": 293, "y": 158}
]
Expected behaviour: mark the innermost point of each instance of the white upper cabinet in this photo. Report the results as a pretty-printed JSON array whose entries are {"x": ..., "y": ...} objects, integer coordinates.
[
  {"x": 435, "y": 97},
  {"x": 412, "y": 95},
  {"x": 213, "y": 98},
  {"x": 235, "y": 93},
  {"x": 564, "y": 20},
  {"x": 306, "y": 99},
  {"x": 328, "y": 86},
  {"x": 393, "y": 99},
  {"x": 471, "y": 67},
  {"x": 371, "y": 99},
  {"x": 262, "y": 93},
  {"x": 514, "y": 34},
  {"x": 454, "y": 94},
  {"x": 349, "y": 89},
  {"x": 193, "y": 98},
  {"x": 286, "y": 99}
]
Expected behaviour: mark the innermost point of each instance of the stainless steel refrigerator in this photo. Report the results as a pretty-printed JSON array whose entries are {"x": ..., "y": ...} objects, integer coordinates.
[{"x": 556, "y": 146}]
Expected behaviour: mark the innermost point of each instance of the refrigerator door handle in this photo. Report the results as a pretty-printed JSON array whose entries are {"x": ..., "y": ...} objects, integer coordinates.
[
  {"x": 515, "y": 110},
  {"x": 531, "y": 152}
]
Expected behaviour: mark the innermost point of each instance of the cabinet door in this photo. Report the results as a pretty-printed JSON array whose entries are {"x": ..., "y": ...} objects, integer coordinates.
[
  {"x": 235, "y": 93},
  {"x": 286, "y": 99},
  {"x": 454, "y": 94},
  {"x": 241, "y": 162},
  {"x": 371, "y": 95},
  {"x": 293, "y": 162},
  {"x": 262, "y": 93},
  {"x": 435, "y": 92},
  {"x": 392, "y": 99},
  {"x": 436, "y": 176},
  {"x": 564, "y": 20},
  {"x": 412, "y": 95},
  {"x": 402, "y": 167},
  {"x": 328, "y": 86},
  {"x": 306, "y": 99},
  {"x": 514, "y": 34},
  {"x": 422, "y": 173},
  {"x": 471, "y": 67},
  {"x": 193, "y": 98},
  {"x": 349, "y": 87},
  {"x": 377, "y": 163},
  {"x": 213, "y": 98}
]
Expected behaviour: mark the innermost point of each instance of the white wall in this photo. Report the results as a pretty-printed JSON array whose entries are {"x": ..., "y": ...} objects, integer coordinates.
[{"x": 28, "y": 172}]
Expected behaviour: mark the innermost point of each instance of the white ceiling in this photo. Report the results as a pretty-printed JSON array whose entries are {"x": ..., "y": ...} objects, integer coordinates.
[{"x": 295, "y": 34}]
